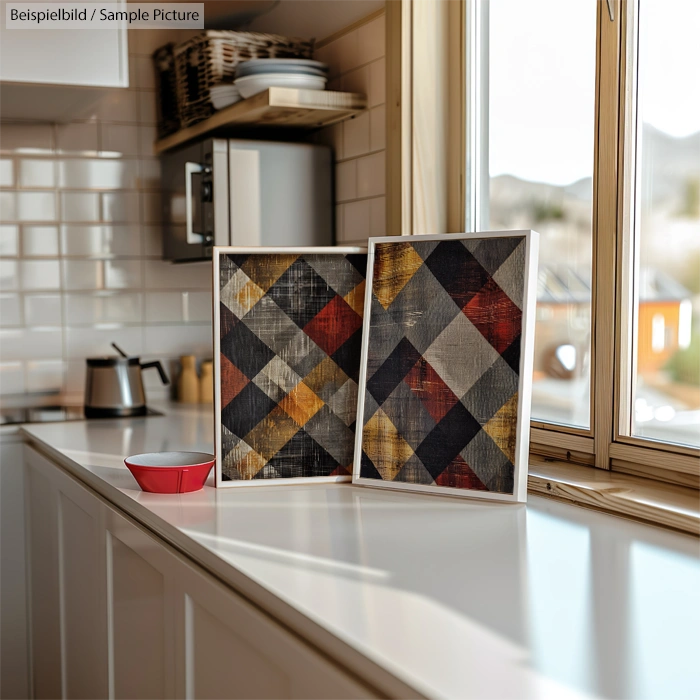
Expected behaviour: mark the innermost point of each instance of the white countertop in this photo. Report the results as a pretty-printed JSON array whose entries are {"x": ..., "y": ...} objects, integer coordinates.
[{"x": 453, "y": 598}]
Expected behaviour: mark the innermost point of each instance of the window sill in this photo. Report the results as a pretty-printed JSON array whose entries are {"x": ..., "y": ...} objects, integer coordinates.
[{"x": 653, "y": 502}]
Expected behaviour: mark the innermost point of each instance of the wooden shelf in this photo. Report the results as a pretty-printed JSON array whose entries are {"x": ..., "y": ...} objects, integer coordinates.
[{"x": 276, "y": 107}]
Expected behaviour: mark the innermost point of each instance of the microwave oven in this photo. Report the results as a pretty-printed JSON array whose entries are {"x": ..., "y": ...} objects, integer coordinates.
[{"x": 244, "y": 192}]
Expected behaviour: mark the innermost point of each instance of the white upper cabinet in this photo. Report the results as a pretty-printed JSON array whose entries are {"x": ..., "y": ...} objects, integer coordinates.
[{"x": 86, "y": 57}]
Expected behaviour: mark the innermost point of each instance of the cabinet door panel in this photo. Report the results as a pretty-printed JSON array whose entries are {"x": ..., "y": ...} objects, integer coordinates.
[
  {"x": 82, "y": 583},
  {"x": 138, "y": 625},
  {"x": 44, "y": 599},
  {"x": 14, "y": 670},
  {"x": 225, "y": 665}
]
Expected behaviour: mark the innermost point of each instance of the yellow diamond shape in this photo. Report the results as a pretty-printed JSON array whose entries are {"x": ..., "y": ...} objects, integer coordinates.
[
  {"x": 394, "y": 265},
  {"x": 382, "y": 443},
  {"x": 502, "y": 427},
  {"x": 355, "y": 298},
  {"x": 301, "y": 404}
]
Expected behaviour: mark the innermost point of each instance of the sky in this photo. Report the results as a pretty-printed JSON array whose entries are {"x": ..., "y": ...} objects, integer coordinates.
[{"x": 542, "y": 82}]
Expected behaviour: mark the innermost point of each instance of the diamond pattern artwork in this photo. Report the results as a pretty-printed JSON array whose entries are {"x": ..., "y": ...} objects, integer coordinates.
[
  {"x": 444, "y": 397},
  {"x": 289, "y": 339}
]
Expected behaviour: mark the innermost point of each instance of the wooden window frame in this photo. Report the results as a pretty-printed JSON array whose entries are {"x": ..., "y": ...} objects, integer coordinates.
[{"x": 435, "y": 80}]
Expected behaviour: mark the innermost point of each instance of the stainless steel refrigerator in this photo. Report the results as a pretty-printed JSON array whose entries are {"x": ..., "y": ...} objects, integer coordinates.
[{"x": 247, "y": 193}]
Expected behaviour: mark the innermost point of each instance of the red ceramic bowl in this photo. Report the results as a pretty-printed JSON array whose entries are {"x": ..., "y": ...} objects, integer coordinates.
[{"x": 170, "y": 472}]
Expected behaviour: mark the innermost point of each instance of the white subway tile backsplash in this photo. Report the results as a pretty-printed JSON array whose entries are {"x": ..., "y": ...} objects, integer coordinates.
[
  {"x": 80, "y": 206},
  {"x": 9, "y": 275},
  {"x": 178, "y": 307},
  {"x": 83, "y": 274},
  {"x": 356, "y": 80},
  {"x": 37, "y": 173},
  {"x": 98, "y": 173},
  {"x": 26, "y": 138},
  {"x": 178, "y": 340},
  {"x": 39, "y": 274},
  {"x": 39, "y": 241},
  {"x": 151, "y": 207},
  {"x": 102, "y": 307},
  {"x": 356, "y": 220},
  {"x": 147, "y": 137},
  {"x": 150, "y": 174},
  {"x": 10, "y": 310},
  {"x": 118, "y": 106},
  {"x": 36, "y": 206},
  {"x": 8, "y": 206},
  {"x": 77, "y": 138},
  {"x": 377, "y": 129},
  {"x": 11, "y": 378},
  {"x": 144, "y": 72},
  {"x": 164, "y": 275},
  {"x": 348, "y": 51},
  {"x": 371, "y": 40},
  {"x": 153, "y": 240},
  {"x": 9, "y": 240},
  {"x": 370, "y": 175},
  {"x": 123, "y": 274},
  {"x": 31, "y": 343},
  {"x": 120, "y": 207},
  {"x": 42, "y": 310},
  {"x": 88, "y": 342},
  {"x": 45, "y": 375},
  {"x": 148, "y": 113},
  {"x": 377, "y": 217},
  {"x": 7, "y": 172},
  {"x": 346, "y": 181},
  {"x": 101, "y": 240},
  {"x": 356, "y": 136},
  {"x": 119, "y": 139},
  {"x": 377, "y": 83}
]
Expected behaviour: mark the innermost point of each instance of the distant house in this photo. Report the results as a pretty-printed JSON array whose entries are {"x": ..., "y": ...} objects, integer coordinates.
[{"x": 562, "y": 341}]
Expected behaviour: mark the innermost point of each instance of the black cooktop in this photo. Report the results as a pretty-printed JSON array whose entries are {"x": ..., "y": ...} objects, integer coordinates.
[{"x": 48, "y": 414}]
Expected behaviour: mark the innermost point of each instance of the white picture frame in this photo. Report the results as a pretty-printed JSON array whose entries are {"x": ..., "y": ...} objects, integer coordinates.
[
  {"x": 519, "y": 494},
  {"x": 218, "y": 251}
]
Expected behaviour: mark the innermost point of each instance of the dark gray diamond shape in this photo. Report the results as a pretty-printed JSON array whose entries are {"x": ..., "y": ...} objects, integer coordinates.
[
  {"x": 414, "y": 472},
  {"x": 337, "y": 271},
  {"x": 267, "y": 321},
  {"x": 495, "y": 386},
  {"x": 487, "y": 461},
  {"x": 332, "y": 434},
  {"x": 409, "y": 416},
  {"x": 423, "y": 309}
]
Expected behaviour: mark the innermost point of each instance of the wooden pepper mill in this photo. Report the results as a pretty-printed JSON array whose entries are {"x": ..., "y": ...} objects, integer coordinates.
[
  {"x": 188, "y": 385},
  {"x": 206, "y": 382}
]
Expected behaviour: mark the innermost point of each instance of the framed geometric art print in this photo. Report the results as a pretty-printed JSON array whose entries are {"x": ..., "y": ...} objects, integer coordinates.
[
  {"x": 287, "y": 339},
  {"x": 445, "y": 378}
]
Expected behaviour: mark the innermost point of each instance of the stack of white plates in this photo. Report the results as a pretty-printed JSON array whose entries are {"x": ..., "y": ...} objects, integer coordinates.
[
  {"x": 259, "y": 74},
  {"x": 224, "y": 95}
]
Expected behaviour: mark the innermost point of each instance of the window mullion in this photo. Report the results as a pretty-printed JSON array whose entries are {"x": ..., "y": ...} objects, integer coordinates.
[{"x": 605, "y": 230}]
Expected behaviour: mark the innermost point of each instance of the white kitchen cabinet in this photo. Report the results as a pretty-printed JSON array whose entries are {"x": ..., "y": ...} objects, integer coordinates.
[
  {"x": 13, "y": 600},
  {"x": 85, "y": 57},
  {"x": 116, "y": 612}
]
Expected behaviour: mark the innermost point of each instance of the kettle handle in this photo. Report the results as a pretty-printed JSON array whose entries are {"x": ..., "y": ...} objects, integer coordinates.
[{"x": 159, "y": 367}]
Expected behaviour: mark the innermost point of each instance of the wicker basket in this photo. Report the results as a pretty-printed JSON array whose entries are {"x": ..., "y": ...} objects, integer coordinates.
[
  {"x": 166, "y": 86},
  {"x": 211, "y": 58}
]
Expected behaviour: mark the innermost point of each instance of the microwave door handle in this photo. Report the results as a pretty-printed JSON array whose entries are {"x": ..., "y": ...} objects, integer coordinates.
[{"x": 193, "y": 237}]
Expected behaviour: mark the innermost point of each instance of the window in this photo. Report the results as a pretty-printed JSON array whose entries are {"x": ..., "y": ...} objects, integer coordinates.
[
  {"x": 583, "y": 123},
  {"x": 539, "y": 159},
  {"x": 665, "y": 402}
]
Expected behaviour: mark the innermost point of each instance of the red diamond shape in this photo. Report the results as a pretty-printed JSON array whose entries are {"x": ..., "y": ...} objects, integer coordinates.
[
  {"x": 333, "y": 325},
  {"x": 458, "y": 474},
  {"x": 232, "y": 381},
  {"x": 498, "y": 319},
  {"x": 428, "y": 386}
]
